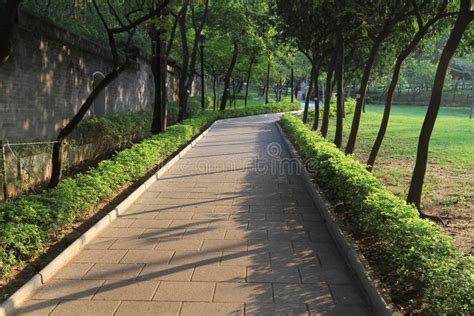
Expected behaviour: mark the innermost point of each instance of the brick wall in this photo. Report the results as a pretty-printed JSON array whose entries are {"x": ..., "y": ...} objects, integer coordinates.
[{"x": 50, "y": 74}]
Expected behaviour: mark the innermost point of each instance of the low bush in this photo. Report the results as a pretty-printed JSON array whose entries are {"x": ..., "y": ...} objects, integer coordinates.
[
  {"x": 31, "y": 222},
  {"x": 349, "y": 106},
  {"x": 120, "y": 129},
  {"x": 194, "y": 107},
  {"x": 423, "y": 259}
]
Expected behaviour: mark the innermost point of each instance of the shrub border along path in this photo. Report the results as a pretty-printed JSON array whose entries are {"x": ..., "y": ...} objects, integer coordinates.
[
  {"x": 31, "y": 222},
  {"x": 420, "y": 256},
  {"x": 47, "y": 273}
]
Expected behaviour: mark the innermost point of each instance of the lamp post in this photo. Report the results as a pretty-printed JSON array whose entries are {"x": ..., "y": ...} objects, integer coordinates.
[{"x": 201, "y": 46}]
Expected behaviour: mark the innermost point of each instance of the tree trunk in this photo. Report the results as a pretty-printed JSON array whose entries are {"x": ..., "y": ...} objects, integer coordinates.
[
  {"x": 8, "y": 18},
  {"x": 309, "y": 90},
  {"x": 249, "y": 72},
  {"x": 328, "y": 95},
  {"x": 386, "y": 115},
  {"x": 58, "y": 147},
  {"x": 189, "y": 61},
  {"x": 225, "y": 94},
  {"x": 234, "y": 94},
  {"x": 156, "y": 124},
  {"x": 280, "y": 89},
  {"x": 361, "y": 96},
  {"x": 391, "y": 90},
  {"x": 417, "y": 180},
  {"x": 172, "y": 35},
  {"x": 267, "y": 85},
  {"x": 191, "y": 71},
  {"x": 197, "y": 41},
  {"x": 367, "y": 93},
  {"x": 214, "y": 101},
  {"x": 164, "y": 82},
  {"x": 292, "y": 84},
  {"x": 203, "y": 81},
  {"x": 316, "y": 99},
  {"x": 340, "y": 89},
  {"x": 183, "y": 75}
]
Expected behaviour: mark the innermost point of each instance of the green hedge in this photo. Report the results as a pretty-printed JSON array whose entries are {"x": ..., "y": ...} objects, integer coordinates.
[
  {"x": 125, "y": 128},
  {"x": 194, "y": 107},
  {"x": 119, "y": 129},
  {"x": 423, "y": 259},
  {"x": 27, "y": 224},
  {"x": 349, "y": 106}
]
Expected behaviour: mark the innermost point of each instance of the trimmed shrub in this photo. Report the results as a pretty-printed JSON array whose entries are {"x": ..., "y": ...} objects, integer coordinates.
[
  {"x": 422, "y": 258},
  {"x": 194, "y": 107},
  {"x": 27, "y": 224},
  {"x": 121, "y": 128},
  {"x": 349, "y": 106}
]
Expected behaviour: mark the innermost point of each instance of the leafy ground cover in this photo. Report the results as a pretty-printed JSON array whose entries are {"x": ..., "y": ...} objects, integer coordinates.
[
  {"x": 424, "y": 271},
  {"x": 449, "y": 184}
]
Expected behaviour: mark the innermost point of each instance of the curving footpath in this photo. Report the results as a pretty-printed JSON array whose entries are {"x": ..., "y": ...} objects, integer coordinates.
[{"x": 229, "y": 230}]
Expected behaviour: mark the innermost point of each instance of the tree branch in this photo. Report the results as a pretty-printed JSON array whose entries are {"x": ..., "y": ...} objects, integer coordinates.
[
  {"x": 176, "y": 16},
  {"x": 142, "y": 19},
  {"x": 110, "y": 35}
]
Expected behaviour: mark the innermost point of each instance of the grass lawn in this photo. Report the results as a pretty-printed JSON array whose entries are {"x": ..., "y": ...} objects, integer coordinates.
[{"x": 449, "y": 183}]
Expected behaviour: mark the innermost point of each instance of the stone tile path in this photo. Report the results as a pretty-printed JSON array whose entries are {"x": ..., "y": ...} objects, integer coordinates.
[{"x": 229, "y": 230}]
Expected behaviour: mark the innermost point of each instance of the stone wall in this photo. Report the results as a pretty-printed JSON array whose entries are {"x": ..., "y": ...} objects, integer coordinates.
[{"x": 50, "y": 74}]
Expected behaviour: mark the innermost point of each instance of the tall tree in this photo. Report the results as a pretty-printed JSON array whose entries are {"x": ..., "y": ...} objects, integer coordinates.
[
  {"x": 422, "y": 29},
  {"x": 249, "y": 73},
  {"x": 380, "y": 19},
  {"x": 465, "y": 17},
  {"x": 267, "y": 82},
  {"x": 189, "y": 57},
  {"x": 316, "y": 98},
  {"x": 328, "y": 94},
  {"x": 164, "y": 79},
  {"x": 155, "y": 35},
  {"x": 309, "y": 88},
  {"x": 225, "y": 33},
  {"x": 126, "y": 24},
  {"x": 309, "y": 24},
  {"x": 340, "y": 84},
  {"x": 228, "y": 74}
]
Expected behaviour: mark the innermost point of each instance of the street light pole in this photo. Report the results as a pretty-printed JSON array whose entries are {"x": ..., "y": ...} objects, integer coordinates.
[{"x": 203, "y": 107}]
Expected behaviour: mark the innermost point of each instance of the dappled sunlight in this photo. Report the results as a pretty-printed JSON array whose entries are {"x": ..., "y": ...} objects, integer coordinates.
[
  {"x": 312, "y": 158},
  {"x": 49, "y": 77},
  {"x": 219, "y": 232}
]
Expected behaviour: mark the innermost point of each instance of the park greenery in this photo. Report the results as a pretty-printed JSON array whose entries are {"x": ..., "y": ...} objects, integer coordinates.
[
  {"x": 422, "y": 260},
  {"x": 253, "y": 57},
  {"x": 365, "y": 32}
]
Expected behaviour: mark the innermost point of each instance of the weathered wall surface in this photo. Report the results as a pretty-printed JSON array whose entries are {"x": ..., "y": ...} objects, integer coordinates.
[{"x": 51, "y": 73}]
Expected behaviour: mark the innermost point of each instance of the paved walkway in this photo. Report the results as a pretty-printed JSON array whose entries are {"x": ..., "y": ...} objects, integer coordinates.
[{"x": 224, "y": 232}]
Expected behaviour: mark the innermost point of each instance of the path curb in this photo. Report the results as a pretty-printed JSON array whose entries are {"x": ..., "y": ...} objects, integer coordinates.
[
  {"x": 9, "y": 306},
  {"x": 381, "y": 304}
]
